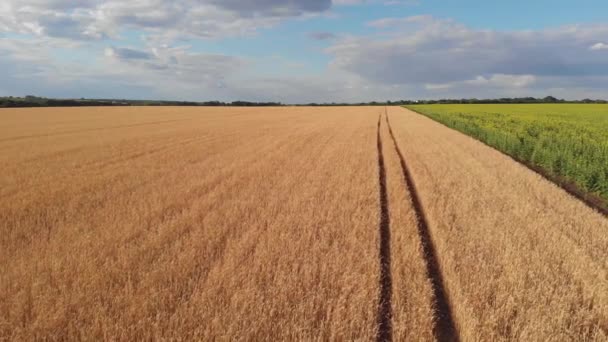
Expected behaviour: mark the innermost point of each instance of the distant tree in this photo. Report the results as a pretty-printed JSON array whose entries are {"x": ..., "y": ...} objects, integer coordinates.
[{"x": 550, "y": 99}]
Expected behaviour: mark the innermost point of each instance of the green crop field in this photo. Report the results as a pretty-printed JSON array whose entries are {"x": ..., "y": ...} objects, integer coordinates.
[{"x": 569, "y": 141}]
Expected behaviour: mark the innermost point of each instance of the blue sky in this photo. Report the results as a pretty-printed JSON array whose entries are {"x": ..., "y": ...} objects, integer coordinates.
[{"x": 298, "y": 51}]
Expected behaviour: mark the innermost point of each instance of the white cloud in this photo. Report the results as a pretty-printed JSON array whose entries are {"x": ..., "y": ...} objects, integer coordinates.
[
  {"x": 438, "y": 86},
  {"x": 406, "y": 22},
  {"x": 599, "y": 46},
  {"x": 496, "y": 81},
  {"x": 411, "y": 57},
  {"x": 96, "y": 19},
  {"x": 172, "y": 63},
  {"x": 502, "y": 80},
  {"x": 424, "y": 50}
]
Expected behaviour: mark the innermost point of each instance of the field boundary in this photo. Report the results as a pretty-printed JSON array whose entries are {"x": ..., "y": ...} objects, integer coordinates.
[
  {"x": 594, "y": 202},
  {"x": 444, "y": 328},
  {"x": 384, "y": 315}
]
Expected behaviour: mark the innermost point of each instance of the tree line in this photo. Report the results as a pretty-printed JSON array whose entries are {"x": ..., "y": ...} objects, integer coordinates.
[
  {"x": 548, "y": 99},
  {"x": 35, "y": 101}
]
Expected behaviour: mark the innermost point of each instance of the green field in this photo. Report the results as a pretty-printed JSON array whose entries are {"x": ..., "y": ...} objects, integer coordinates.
[{"x": 568, "y": 141}]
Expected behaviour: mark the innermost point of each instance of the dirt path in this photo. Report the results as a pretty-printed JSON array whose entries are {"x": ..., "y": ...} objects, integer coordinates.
[{"x": 520, "y": 257}]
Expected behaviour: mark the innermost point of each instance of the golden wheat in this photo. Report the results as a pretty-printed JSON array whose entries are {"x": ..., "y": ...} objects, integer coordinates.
[
  {"x": 352, "y": 223},
  {"x": 522, "y": 260},
  {"x": 132, "y": 223}
]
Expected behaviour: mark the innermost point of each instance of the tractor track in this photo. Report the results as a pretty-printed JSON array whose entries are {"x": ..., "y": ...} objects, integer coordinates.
[
  {"x": 384, "y": 316},
  {"x": 444, "y": 327}
]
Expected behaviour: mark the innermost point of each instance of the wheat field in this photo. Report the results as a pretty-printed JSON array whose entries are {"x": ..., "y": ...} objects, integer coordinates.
[
  {"x": 522, "y": 260},
  {"x": 290, "y": 223}
]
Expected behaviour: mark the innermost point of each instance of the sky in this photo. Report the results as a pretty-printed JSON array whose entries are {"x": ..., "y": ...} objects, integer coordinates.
[{"x": 301, "y": 51}]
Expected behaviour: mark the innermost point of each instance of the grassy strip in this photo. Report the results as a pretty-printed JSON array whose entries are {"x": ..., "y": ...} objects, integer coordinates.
[{"x": 567, "y": 143}]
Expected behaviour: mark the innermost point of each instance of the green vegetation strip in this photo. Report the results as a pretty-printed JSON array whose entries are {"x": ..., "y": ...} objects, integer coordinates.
[{"x": 567, "y": 142}]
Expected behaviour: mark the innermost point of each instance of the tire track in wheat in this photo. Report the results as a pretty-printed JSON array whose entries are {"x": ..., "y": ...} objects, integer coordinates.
[
  {"x": 385, "y": 327},
  {"x": 444, "y": 329}
]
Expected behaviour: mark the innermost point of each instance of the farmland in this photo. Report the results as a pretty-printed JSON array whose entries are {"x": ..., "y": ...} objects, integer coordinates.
[
  {"x": 520, "y": 259},
  {"x": 292, "y": 223},
  {"x": 569, "y": 141}
]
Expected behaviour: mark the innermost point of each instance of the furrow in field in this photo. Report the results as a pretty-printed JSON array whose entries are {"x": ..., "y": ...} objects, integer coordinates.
[
  {"x": 444, "y": 328},
  {"x": 504, "y": 239},
  {"x": 385, "y": 328},
  {"x": 412, "y": 292}
]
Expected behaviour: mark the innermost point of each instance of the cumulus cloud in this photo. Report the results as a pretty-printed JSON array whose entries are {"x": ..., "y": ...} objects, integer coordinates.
[
  {"x": 426, "y": 50},
  {"x": 408, "y": 22},
  {"x": 599, "y": 46},
  {"x": 95, "y": 19},
  {"x": 502, "y": 80},
  {"x": 411, "y": 57},
  {"x": 177, "y": 64},
  {"x": 496, "y": 81}
]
